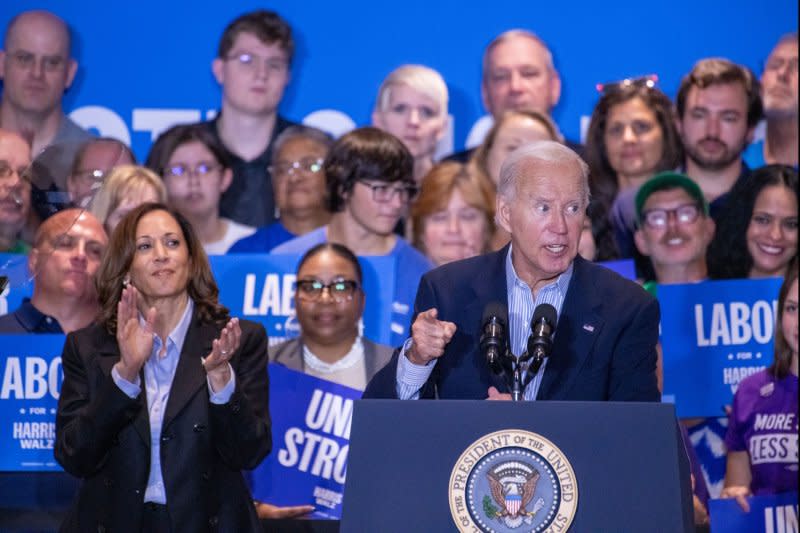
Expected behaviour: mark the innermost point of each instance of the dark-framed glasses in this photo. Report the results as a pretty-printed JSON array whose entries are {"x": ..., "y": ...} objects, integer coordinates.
[
  {"x": 649, "y": 81},
  {"x": 340, "y": 290},
  {"x": 249, "y": 61},
  {"x": 658, "y": 218},
  {"x": 288, "y": 168},
  {"x": 181, "y": 170},
  {"x": 383, "y": 192}
]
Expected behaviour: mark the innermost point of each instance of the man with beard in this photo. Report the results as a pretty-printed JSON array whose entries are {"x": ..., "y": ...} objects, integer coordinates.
[
  {"x": 719, "y": 106},
  {"x": 779, "y": 91}
]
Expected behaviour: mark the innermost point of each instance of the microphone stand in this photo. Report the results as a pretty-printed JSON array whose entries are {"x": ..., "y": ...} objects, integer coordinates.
[{"x": 517, "y": 384}]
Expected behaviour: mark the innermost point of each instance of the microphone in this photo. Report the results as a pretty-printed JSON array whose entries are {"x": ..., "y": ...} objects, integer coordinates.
[
  {"x": 493, "y": 334},
  {"x": 540, "y": 342}
]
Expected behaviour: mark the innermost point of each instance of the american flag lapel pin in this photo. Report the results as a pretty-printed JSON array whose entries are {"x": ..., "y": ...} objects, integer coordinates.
[{"x": 589, "y": 328}]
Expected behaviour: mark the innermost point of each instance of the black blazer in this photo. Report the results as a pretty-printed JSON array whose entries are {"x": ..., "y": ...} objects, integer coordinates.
[
  {"x": 605, "y": 341},
  {"x": 103, "y": 436}
]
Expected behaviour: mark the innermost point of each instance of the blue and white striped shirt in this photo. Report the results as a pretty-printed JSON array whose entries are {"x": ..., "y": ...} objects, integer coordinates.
[{"x": 521, "y": 304}]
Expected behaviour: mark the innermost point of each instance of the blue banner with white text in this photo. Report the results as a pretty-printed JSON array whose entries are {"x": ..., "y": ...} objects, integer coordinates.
[
  {"x": 31, "y": 383},
  {"x": 310, "y": 434},
  {"x": 713, "y": 335},
  {"x": 771, "y": 513},
  {"x": 260, "y": 287}
]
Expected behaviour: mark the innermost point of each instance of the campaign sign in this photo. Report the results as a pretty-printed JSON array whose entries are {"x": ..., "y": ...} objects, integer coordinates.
[
  {"x": 31, "y": 383},
  {"x": 624, "y": 267},
  {"x": 260, "y": 287},
  {"x": 772, "y": 513},
  {"x": 310, "y": 439},
  {"x": 19, "y": 286},
  {"x": 714, "y": 334}
]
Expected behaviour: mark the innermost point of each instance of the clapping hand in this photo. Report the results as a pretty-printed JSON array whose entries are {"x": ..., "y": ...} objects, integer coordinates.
[
  {"x": 222, "y": 349},
  {"x": 135, "y": 339}
]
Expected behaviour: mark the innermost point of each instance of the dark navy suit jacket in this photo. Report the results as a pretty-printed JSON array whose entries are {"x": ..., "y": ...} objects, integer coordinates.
[{"x": 605, "y": 340}]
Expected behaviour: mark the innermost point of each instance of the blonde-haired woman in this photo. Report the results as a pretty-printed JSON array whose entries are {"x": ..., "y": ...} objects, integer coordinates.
[
  {"x": 412, "y": 106},
  {"x": 126, "y": 187}
]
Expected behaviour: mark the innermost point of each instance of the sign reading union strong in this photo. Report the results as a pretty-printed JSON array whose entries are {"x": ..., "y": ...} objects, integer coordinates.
[{"x": 513, "y": 481}]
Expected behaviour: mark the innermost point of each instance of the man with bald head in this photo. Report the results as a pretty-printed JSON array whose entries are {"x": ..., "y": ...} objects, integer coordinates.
[
  {"x": 66, "y": 253},
  {"x": 607, "y": 327},
  {"x": 15, "y": 191},
  {"x": 36, "y": 68}
]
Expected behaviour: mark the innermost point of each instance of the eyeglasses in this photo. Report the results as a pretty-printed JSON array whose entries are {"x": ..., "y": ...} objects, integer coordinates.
[
  {"x": 180, "y": 170},
  {"x": 6, "y": 170},
  {"x": 649, "y": 81},
  {"x": 658, "y": 218},
  {"x": 306, "y": 164},
  {"x": 384, "y": 193},
  {"x": 25, "y": 60},
  {"x": 249, "y": 61},
  {"x": 340, "y": 290}
]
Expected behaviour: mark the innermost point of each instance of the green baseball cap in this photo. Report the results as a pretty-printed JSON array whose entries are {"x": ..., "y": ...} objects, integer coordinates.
[{"x": 665, "y": 181}]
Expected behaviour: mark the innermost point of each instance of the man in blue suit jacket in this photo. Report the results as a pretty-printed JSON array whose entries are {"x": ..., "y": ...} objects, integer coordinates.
[{"x": 605, "y": 340}]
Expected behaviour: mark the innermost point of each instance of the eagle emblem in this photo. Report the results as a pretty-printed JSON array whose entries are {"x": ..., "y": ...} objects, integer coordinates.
[{"x": 513, "y": 485}]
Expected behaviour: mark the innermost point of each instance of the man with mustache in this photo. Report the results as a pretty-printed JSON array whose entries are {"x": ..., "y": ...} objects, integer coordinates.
[
  {"x": 719, "y": 106},
  {"x": 674, "y": 228}
]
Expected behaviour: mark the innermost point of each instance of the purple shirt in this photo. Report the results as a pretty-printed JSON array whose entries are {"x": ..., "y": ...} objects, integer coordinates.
[{"x": 763, "y": 422}]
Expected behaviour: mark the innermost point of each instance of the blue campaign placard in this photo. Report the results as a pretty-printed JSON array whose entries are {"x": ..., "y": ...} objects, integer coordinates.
[
  {"x": 624, "y": 267},
  {"x": 310, "y": 439},
  {"x": 31, "y": 382},
  {"x": 773, "y": 513},
  {"x": 260, "y": 287},
  {"x": 19, "y": 283},
  {"x": 713, "y": 335}
]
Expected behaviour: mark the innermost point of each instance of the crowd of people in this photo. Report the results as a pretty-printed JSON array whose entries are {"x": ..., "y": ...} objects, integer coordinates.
[{"x": 121, "y": 247}]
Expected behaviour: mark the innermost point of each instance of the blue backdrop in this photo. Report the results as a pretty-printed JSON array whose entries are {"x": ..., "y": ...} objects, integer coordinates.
[{"x": 147, "y": 64}]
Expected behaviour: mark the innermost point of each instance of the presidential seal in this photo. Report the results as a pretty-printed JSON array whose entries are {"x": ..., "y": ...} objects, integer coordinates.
[{"x": 513, "y": 481}]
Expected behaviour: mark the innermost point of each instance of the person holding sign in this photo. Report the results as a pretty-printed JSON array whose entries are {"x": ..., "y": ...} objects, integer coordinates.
[
  {"x": 329, "y": 301},
  {"x": 165, "y": 397},
  {"x": 762, "y": 427}
]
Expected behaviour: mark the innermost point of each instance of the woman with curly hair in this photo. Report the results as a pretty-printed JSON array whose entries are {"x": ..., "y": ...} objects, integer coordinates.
[{"x": 757, "y": 229}]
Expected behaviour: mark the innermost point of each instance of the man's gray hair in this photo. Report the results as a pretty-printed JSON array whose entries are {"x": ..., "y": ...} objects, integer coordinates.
[
  {"x": 544, "y": 151},
  {"x": 515, "y": 34}
]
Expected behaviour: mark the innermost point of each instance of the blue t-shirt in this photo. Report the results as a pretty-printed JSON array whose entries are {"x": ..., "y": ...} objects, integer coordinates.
[
  {"x": 409, "y": 267},
  {"x": 263, "y": 240}
]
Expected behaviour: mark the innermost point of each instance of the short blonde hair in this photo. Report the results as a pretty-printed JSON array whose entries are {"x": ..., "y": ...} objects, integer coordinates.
[
  {"x": 418, "y": 77},
  {"x": 121, "y": 182}
]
